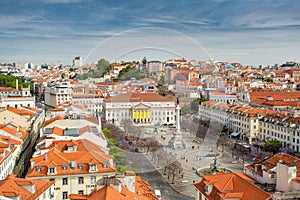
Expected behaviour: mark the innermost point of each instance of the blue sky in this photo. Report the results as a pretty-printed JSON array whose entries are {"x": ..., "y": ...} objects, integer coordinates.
[{"x": 51, "y": 31}]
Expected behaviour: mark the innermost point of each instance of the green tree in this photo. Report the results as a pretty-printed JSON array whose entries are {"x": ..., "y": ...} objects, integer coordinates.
[
  {"x": 273, "y": 146},
  {"x": 162, "y": 79},
  {"x": 130, "y": 72},
  {"x": 102, "y": 63},
  {"x": 202, "y": 99},
  {"x": 269, "y": 80},
  {"x": 103, "y": 67},
  {"x": 10, "y": 81},
  {"x": 144, "y": 61},
  {"x": 63, "y": 75},
  {"x": 186, "y": 109},
  {"x": 107, "y": 133},
  {"x": 195, "y": 106}
]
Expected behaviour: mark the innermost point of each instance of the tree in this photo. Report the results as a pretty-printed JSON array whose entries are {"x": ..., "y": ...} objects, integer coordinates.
[
  {"x": 144, "y": 61},
  {"x": 173, "y": 169},
  {"x": 151, "y": 144},
  {"x": 269, "y": 80},
  {"x": 288, "y": 151},
  {"x": 222, "y": 140},
  {"x": 102, "y": 63},
  {"x": 10, "y": 81},
  {"x": 63, "y": 76},
  {"x": 107, "y": 133},
  {"x": 202, "y": 99},
  {"x": 162, "y": 79},
  {"x": 186, "y": 109},
  {"x": 273, "y": 146},
  {"x": 195, "y": 106},
  {"x": 130, "y": 72}
]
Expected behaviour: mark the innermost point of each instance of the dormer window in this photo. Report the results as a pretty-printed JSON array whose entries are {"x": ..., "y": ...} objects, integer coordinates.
[
  {"x": 73, "y": 164},
  {"x": 93, "y": 168},
  {"x": 51, "y": 170},
  {"x": 206, "y": 188},
  {"x": 104, "y": 165},
  {"x": 80, "y": 166},
  {"x": 64, "y": 167},
  {"x": 11, "y": 146},
  {"x": 38, "y": 169},
  {"x": 72, "y": 148}
]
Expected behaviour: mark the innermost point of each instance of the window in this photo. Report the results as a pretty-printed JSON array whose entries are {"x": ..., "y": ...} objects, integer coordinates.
[
  {"x": 104, "y": 165},
  {"x": 93, "y": 179},
  {"x": 64, "y": 167},
  {"x": 80, "y": 180},
  {"x": 93, "y": 168},
  {"x": 65, "y": 195},
  {"x": 80, "y": 166},
  {"x": 38, "y": 169},
  {"x": 80, "y": 191},
  {"x": 65, "y": 181},
  {"x": 272, "y": 176},
  {"x": 52, "y": 170}
]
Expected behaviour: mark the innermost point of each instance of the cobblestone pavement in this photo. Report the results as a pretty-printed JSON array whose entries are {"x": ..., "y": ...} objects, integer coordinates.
[
  {"x": 195, "y": 156},
  {"x": 150, "y": 174}
]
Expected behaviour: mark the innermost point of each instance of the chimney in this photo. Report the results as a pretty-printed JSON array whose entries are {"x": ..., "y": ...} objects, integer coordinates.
[
  {"x": 32, "y": 164},
  {"x": 17, "y": 84}
]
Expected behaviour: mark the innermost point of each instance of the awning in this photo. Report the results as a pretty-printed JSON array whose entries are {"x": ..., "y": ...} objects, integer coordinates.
[{"x": 234, "y": 134}]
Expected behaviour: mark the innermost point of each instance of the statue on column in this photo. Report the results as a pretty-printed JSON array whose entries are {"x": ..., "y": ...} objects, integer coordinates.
[{"x": 177, "y": 142}]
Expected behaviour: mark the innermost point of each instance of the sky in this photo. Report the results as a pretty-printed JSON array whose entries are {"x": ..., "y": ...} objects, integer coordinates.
[{"x": 251, "y": 32}]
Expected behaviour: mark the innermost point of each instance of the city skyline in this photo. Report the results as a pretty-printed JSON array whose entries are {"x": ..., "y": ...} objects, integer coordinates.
[{"x": 52, "y": 31}]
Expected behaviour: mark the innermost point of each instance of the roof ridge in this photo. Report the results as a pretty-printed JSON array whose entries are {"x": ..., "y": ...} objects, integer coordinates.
[{"x": 229, "y": 185}]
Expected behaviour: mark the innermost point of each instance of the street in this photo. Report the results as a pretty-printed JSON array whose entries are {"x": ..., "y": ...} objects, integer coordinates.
[{"x": 149, "y": 173}]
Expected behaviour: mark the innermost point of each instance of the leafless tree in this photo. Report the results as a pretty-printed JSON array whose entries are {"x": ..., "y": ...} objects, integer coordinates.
[
  {"x": 173, "y": 169},
  {"x": 222, "y": 141},
  {"x": 135, "y": 132},
  {"x": 151, "y": 144}
]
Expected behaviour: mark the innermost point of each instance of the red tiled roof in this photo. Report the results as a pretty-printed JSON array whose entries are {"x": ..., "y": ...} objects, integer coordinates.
[
  {"x": 275, "y": 95},
  {"x": 21, "y": 111},
  {"x": 231, "y": 186},
  {"x": 49, "y": 121},
  {"x": 137, "y": 97},
  {"x": 58, "y": 155},
  {"x": 271, "y": 162},
  {"x": 12, "y": 187}
]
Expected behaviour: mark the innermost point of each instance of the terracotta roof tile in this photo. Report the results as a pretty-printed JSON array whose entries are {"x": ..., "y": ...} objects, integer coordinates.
[
  {"x": 231, "y": 185},
  {"x": 59, "y": 154},
  {"x": 49, "y": 121},
  {"x": 12, "y": 187},
  {"x": 137, "y": 97}
]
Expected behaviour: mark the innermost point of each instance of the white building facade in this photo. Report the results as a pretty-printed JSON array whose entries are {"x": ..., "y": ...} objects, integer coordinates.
[
  {"x": 57, "y": 93},
  {"x": 141, "y": 108}
]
